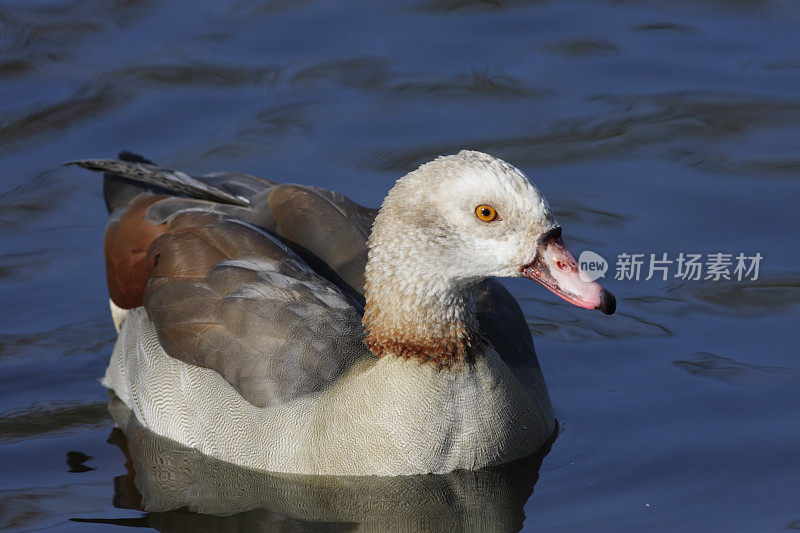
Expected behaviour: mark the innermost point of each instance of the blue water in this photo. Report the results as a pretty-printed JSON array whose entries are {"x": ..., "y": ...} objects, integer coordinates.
[{"x": 652, "y": 127}]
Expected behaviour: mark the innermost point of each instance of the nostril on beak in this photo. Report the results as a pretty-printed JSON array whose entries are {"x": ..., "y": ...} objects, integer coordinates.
[{"x": 562, "y": 266}]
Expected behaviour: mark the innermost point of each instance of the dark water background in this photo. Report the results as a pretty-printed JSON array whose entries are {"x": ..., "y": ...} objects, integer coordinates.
[{"x": 651, "y": 127}]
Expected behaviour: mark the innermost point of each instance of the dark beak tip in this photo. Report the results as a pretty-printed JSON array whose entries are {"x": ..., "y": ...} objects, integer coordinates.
[{"x": 608, "y": 304}]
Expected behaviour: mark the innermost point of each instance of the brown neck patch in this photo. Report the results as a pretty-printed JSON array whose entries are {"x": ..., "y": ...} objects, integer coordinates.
[
  {"x": 409, "y": 316},
  {"x": 444, "y": 342},
  {"x": 445, "y": 353}
]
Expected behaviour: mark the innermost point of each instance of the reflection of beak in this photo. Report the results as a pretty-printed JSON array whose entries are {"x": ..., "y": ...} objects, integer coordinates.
[{"x": 557, "y": 269}]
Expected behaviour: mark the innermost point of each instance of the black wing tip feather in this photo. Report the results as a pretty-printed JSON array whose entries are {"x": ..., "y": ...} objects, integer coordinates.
[
  {"x": 132, "y": 172},
  {"x": 94, "y": 163},
  {"x": 132, "y": 157},
  {"x": 118, "y": 190}
]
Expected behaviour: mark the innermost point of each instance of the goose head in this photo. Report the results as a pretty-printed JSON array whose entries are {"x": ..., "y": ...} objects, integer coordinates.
[{"x": 445, "y": 227}]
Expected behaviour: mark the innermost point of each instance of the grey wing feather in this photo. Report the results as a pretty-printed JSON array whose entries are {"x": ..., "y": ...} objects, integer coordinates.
[{"x": 228, "y": 296}]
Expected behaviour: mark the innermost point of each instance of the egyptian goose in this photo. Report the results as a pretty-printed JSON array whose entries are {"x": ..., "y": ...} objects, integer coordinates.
[{"x": 267, "y": 326}]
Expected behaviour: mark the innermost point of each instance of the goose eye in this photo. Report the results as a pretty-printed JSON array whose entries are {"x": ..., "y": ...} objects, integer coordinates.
[{"x": 486, "y": 213}]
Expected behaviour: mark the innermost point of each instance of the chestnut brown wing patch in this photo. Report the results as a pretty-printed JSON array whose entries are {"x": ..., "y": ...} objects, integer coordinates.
[{"x": 128, "y": 236}]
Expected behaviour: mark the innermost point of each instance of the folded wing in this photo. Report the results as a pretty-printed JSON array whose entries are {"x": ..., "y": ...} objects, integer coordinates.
[{"x": 260, "y": 282}]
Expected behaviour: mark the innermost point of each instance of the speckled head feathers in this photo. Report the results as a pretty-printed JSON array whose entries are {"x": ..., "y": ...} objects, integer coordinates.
[{"x": 429, "y": 247}]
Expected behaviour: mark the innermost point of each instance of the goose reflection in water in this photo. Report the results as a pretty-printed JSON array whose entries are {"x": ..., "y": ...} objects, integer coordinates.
[{"x": 180, "y": 489}]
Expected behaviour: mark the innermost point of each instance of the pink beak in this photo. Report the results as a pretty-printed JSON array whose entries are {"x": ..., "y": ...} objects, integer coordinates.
[{"x": 557, "y": 269}]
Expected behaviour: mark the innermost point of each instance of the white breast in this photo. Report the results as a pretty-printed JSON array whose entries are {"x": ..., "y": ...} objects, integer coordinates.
[{"x": 390, "y": 417}]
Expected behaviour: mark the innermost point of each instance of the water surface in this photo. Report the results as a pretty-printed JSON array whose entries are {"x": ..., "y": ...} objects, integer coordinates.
[{"x": 651, "y": 127}]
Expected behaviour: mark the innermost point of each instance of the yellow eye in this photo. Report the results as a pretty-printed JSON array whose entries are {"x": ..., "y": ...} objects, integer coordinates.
[{"x": 486, "y": 213}]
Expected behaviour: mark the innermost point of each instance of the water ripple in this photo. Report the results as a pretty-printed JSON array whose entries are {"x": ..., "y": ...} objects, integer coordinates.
[
  {"x": 447, "y": 6},
  {"x": 664, "y": 26},
  {"x": 638, "y": 122},
  {"x": 770, "y": 294},
  {"x": 21, "y": 125},
  {"x": 34, "y": 36},
  {"x": 728, "y": 370},
  {"x": 17, "y": 264},
  {"x": 90, "y": 336},
  {"x": 194, "y": 74},
  {"x": 564, "y": 324},
  {"x": 575, "y": 211},
  {"x": 42, "y": 419},
  {"x": 373, "y": 73},
  {"x": 585, "y": 48},
  {"x": 29, "y": 201}
]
